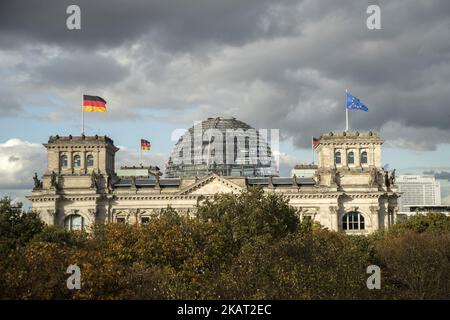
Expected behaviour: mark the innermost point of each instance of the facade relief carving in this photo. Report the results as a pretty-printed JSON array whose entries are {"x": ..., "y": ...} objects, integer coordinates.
[
  {"x": 374, "y": 210},
  {"x": 333, "y": 210},
  {"x": 93, "y": 213}
]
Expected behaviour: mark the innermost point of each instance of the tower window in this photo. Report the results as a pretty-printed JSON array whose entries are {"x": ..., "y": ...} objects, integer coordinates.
[
  {"x": 90, "y": 160},
  {"x": 76, "y": 161},
  {"x": 74, "y": 222},
  {"x": 63, "y": 161},
  {"x": 364, "y": 157},
  {"x": 353, "y": 221},
  {"x": 337, "y": 158},
  {"x": 351, "y": 158}
]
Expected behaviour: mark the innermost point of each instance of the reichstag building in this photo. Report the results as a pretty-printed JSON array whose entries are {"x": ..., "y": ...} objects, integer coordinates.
[{"x": 349, "y": 192}]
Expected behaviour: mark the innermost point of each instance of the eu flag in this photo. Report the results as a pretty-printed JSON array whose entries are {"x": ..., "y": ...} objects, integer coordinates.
[{"x": 354, "y": 103}]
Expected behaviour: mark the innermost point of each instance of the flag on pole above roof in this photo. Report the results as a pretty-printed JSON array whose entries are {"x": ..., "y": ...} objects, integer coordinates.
[
  {"x": 315, "y": 141},
  {"x": 354, "y": 103},
  {"x": 145, "y": 144},
  {"x": 93, "y": 104}
]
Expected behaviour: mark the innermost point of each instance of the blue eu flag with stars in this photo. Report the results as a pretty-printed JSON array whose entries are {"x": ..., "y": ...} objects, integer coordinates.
[{"x": 354, "y": 103}]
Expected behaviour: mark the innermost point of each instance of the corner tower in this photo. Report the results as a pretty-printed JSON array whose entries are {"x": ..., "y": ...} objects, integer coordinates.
[
  {"x": 350, "y": 159},
  {"x": 350, "y": 164},
  {"x": 75, "y": 186}
]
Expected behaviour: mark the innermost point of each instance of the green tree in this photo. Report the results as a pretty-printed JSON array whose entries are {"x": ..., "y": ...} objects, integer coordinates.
[
  {"x": 432, "y": 222},
  {"x": 245, "y": 246},
  {"x": 16, "y": 226},
  {"x": 251, "y": 215}
]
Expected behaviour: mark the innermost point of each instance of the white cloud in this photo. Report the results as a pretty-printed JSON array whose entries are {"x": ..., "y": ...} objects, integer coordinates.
[
  {"x": 399, "y": 135},
  {"x": 19, "y": 160},
  {"x": 131, "y": 157},
  {"x": 287, "y": 163}
]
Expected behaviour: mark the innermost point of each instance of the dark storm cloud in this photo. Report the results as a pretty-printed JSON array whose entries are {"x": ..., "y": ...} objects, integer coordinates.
[
  {"x": 85, "y": 68},
  {"x": 9, "y": 106},
  {"x": 401, "y": 72},
  {"x": 174, "y": 24},
  {"x": 274, "y": 64}
]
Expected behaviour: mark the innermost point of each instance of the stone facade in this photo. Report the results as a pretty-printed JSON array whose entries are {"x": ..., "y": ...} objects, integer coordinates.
[{"x": 350, "y": 191}]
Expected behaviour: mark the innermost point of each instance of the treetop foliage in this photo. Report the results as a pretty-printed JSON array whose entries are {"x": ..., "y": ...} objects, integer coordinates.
[{"x": 246, "y": 246}]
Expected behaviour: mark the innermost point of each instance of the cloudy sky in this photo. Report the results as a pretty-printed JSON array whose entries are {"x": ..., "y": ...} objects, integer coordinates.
[{"x": 162, "y": 65}]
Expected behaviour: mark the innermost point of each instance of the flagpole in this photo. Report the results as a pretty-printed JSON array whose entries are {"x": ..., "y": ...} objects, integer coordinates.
[
  {"x": 140, "y": 156},
  {"x": 346, "y": 111},
  {"x": 346, "y": 119},
  {"x": 312, "y": 148},
  {"x": 82, "y": 118}
]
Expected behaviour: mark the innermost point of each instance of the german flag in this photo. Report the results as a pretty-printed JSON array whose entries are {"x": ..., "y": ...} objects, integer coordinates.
[
  {"x": 93, "y": 104},
  {"x": 145, "y": 144},
  {"x": 315, "y": 142}
]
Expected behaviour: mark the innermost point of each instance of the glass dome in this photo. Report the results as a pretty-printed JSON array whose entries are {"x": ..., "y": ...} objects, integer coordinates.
[{"x": 225, "y": 146}]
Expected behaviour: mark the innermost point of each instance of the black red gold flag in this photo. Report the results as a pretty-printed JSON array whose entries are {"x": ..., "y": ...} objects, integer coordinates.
[
  {"x": 93, "y": 104},
  {"x": 145, "y": 144}
]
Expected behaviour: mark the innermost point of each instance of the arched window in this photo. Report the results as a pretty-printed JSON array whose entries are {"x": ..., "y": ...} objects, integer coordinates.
[
  {"x": 76, "y": 161},
  {"x": 353, "y": 221},
  {"x": 90, "y": 160},
  {"x": 351, "y": 158},
  {"x": 63, "y": 161},
  {"x": 74, "y": 222},
  {"x": 337, "y": 158},
  {"x": 364, "y": 157}
]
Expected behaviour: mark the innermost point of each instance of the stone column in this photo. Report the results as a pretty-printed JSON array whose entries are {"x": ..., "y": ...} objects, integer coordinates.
[
  {"x": 357, "y": 153},
  {"x": 97, "y": 162},
  {"x": 92, "y": 215},
  {"x": 344, "y": 157},
  {"x": 370, "y": 156},
  {"x": 134, "y": 215},
  {"x": 394, "y": 211},
  {"x": 387, "y": 218},
  {"x": 51, "y": 217},
  {"x": 70, "y": 161},
  {"x": 375, "y": 217},
  {"x": 334, "y": 218},
  {"x": 83, "y": 161},
  {"x": 113, "y": 215}
]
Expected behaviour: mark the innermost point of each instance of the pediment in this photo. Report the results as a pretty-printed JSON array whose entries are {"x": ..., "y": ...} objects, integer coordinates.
[{"x": 210, "y": 185}]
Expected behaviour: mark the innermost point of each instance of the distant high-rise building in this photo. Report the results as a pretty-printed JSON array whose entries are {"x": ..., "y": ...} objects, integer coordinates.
[
  {"x": 418, "y": 190},
  {"x": 445, "y": 191}
]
